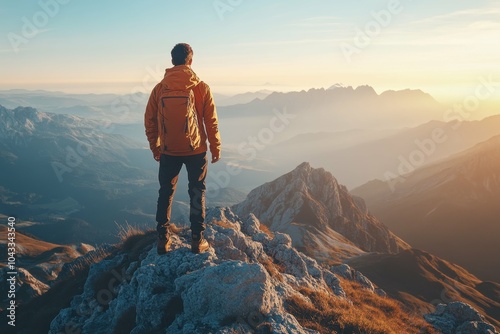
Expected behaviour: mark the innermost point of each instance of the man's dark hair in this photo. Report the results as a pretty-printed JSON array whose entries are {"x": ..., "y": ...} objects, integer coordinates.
[{"x": 181, "y": 54}]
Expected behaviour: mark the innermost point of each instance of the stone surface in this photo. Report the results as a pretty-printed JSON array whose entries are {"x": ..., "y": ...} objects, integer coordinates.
[
  {"x": 459, "y": 318},
  {"x": 349, "y": 273}
]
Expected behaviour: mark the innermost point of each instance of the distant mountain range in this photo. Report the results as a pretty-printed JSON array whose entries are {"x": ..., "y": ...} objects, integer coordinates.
[
  {"x": 344, "y": 127},
  {"x": 330, "y": 110},
  {"x": 119, "y": 108},
  {"x": 337, "y": 128},
  {"x": 224, "y": 100},
  {"x": 358, "y": 156}
]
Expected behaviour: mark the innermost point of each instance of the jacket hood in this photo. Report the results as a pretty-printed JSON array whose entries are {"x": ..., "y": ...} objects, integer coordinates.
[{"x": 180, "y": 77}]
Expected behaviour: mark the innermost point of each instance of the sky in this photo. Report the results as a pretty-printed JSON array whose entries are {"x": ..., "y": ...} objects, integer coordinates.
[{"x": 446, "y": 48}]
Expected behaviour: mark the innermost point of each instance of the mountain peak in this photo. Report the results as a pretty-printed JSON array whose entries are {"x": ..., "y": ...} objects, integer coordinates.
[
  {"x": 320, "y": 215},
  {"x": 365, "y": 90},
  {"x": 336, "y": 86},
  {"x": 315, "y": 177},
  {"x": 304, "y": 167}
]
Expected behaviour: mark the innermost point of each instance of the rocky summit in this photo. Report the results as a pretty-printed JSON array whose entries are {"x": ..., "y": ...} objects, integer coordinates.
[{"x": 229, "y": 288}]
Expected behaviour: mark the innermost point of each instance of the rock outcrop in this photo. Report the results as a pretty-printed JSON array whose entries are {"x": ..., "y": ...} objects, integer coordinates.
[
  {"x": 239, "y": 285},
  {"x": 459, "y": 318}
]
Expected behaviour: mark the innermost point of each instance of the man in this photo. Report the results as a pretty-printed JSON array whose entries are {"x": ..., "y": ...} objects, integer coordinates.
[{"x": 179, "y": 118}]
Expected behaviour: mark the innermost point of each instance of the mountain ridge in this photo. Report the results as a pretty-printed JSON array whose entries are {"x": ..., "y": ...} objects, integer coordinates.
[
  {"x": 456, "y": 198},
  {"x": 422, "y": 280}
]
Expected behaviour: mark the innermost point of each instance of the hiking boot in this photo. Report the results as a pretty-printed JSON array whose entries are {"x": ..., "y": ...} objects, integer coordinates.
[
  {"x": 199, "y": 244},
  {"x": 163, "y": 244}
]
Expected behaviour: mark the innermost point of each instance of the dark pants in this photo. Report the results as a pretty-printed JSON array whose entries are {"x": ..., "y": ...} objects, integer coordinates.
[{"x": 170, "y": 167}]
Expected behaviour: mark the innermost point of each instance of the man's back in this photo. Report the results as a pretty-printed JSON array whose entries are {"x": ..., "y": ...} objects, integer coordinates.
[
  {"x": 177, "y": 135},
  {"x": 182, "y": 77}
]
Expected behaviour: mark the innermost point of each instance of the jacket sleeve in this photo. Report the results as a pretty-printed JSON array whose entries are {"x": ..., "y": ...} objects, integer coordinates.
[
  {"x": 151, "y": 122},
  {"x": 211, "y": 123}
]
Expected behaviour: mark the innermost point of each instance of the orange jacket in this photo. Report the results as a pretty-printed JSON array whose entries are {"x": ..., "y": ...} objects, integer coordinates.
[{"x": 183, "y": 77}]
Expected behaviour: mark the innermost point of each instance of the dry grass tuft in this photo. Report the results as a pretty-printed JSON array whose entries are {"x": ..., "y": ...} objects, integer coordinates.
[
  {"x": 224, "y": 224},
  {"x": 82, "y": 264},
  {"x": 177, "y": 229},
  {"x": 266, "y": 230},
  {"x": 126, "y": 231},
  {"x": 274, "y": 270},
  {"x": 368, "y": 312}
]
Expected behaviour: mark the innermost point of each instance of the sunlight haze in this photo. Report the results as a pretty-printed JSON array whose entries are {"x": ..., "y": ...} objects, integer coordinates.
[{"x": 100, "y": 47}]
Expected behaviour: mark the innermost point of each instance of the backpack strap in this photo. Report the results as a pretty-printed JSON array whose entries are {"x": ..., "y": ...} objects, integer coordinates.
[
  {"x": 198, "y": 94},
  {"x": 197, "y": 90}
]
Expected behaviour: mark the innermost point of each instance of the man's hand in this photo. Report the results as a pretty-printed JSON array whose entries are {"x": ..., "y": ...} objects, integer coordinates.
[
  {"x": 215, "y": 158},
  {"x": 156, "y": 154}
]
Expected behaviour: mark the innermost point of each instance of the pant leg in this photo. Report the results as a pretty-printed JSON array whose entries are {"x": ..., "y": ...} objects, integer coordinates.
[
  {"x": 196, "y": 166},
  {"x": 168, "y": 175}
]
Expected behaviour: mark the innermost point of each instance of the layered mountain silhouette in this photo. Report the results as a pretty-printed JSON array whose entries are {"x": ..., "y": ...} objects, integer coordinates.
[
  {"x": 282, "y": 116},
  {"x": 449, "y": 208},
  {"x": 334, "y": 128},
  {"x": 347, "y": 127},
  {"x": 243, "y": 98},
  {"x": 320, "y": 215},
  {"x": 388, "y": 153},
  {"x": 347, "y": 107}
]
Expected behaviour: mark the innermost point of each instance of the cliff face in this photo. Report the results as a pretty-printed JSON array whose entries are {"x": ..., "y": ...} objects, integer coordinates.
[{"x": 320, "y": 215}]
